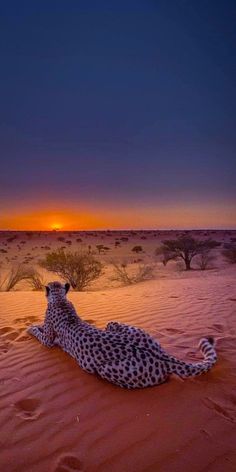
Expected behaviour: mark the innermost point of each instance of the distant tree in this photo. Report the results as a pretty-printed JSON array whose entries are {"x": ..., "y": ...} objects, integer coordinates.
[
  {"x": 99, "y": 248},
  {"x": 137, "y": 249},
  {"x": 229, "y": 253},
  {"x": 186, "y": 248},
  {"x": 77, "y": 268}
]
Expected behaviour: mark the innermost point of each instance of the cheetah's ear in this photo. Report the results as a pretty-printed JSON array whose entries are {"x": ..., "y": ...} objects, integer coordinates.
[
  {"x": 67, "y": 287},
  {"x": 47, "y": 290}
]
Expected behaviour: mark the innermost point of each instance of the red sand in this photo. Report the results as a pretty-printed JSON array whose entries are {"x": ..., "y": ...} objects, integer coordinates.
[{"x": 55, "y": 417}]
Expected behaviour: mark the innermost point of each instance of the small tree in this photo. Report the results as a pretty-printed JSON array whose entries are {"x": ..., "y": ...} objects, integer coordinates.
[
  {"x": 186, "y": 248},
  {"x": 229, "y": 253},
  {"x": 77, "y": 268},
  {"x": 100, "y": 248}
]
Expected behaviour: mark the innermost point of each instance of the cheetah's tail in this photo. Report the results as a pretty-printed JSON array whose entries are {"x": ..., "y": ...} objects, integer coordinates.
[{"x": 187, "y": 369}]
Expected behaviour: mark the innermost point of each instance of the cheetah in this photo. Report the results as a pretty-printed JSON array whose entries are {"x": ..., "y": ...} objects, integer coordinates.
[{"x": 124, "y": 355}]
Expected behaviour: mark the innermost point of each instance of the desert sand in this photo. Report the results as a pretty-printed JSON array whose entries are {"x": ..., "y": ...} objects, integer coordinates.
[{"x": 56, "y": 417}]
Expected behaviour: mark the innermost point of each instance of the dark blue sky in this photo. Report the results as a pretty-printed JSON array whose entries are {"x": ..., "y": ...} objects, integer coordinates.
[{"x": 117, "y": 103}]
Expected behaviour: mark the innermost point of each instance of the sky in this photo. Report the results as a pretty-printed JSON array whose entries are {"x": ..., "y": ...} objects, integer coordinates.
[{"x": 117, "y": 114}]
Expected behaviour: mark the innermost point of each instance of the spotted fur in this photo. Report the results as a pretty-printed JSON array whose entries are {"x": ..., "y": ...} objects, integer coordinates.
[{"x": 122, "y": 354}]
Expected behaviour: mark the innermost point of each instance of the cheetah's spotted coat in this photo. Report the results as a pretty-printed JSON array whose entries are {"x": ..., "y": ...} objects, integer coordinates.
[{"x": 122, "y": 354}]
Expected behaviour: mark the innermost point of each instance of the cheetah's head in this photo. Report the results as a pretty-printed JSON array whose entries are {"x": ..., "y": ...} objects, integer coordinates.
[{"x": 56, "y": 290}]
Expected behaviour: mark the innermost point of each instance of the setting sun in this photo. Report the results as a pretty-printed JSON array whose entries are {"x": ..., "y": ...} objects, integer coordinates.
[{"x": 56, "y": 226}]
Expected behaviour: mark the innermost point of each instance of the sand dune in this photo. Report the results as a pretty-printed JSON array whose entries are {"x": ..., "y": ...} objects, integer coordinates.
[{"x": 55, "y": 417}]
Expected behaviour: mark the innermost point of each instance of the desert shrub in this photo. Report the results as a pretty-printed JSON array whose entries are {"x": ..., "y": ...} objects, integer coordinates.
[
  {"x": 11, "y": 239},
  {"x": 137, "y": 249},
  {"x": 77, "y": 268},
  {"x": 186, "y": 248},
  {"x": 61, "y": 239},
  {"x": 101, "y": 248},
  {"x": 229, "y": 253},
  {"x": 204, "y": 260},
  {"x": 123, "y": 274},
  {"x": 35, "y": 280},
  {"x": 16, "y": 274}
]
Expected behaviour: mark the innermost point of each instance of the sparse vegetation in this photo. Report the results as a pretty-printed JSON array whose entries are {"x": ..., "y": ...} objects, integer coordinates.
[
  {"x": 229, "y": 253},
  {"x": 204, "y": 260},
  {"x": 77, "y": 268},
  {"x": 99, "y": 248},
  {"x": 16, "y": 274},
  {"x": 36, "y": 280},
  {"x": 137, "y": 249},
  {"x": 124, "y": 274}
]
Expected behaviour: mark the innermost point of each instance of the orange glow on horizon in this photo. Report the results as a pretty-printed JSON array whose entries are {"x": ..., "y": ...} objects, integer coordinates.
[
  {"x": 147, "y": 217},
  {"x": 56, "y": 227}
]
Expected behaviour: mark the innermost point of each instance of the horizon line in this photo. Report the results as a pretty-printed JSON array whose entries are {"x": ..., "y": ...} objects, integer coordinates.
[{"x": 113, "y": 230}]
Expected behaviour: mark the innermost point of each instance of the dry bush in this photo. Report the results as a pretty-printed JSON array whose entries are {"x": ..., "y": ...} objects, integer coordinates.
[
  {"x": 123, "y": 274},
  {"x": 137, "y": 249},
  {"x": 16, "y": 274},
  {"x": 36, "y": 280},
  {"x": 229, "y": 253},
  {"x": 78, "y": 268},
  {"x": 204, "y": 260}
]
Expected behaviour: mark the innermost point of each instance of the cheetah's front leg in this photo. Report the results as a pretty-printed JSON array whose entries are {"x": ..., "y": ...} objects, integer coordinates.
[
  {"x": 115, "y": 327},
  {"x": 44, "y": 334}
]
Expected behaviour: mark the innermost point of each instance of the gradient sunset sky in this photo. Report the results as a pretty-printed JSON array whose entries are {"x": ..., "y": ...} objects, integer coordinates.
[{"x": 117, "y": 114}]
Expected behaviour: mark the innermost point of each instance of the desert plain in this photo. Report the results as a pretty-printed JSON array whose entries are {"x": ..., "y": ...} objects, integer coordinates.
[{"x": 54, "y": 417}]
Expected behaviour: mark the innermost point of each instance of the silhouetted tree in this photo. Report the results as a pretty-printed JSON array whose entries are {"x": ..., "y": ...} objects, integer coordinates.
[
  {"x": 186, "y": 248},
  {"x": 100, "y": 248}
]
